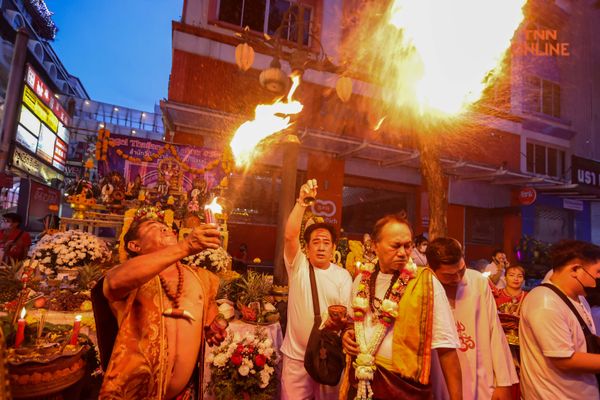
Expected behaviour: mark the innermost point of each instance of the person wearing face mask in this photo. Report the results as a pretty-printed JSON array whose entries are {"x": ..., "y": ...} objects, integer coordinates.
[
  {"x": 14, "y": 241},
  {"x": 484, "y": 355},
  {"x": 418, "y": 254},
  {"x": 555, "y": 362}
]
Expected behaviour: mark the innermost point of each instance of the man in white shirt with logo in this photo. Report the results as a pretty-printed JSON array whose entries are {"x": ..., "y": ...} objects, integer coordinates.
[
  {"x": 334, "y": 286},
  {"x": 554, "y": 356}
]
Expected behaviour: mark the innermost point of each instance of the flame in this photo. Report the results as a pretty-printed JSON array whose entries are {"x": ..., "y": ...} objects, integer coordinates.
[
  {"x": 486, "y": 274},
  {"x": 437, "y": 55},
  {"x": 23, "y": 313},
  {"x": 78, "y": 318},
  {"x": 215, "y": 207},
  {"x": 267, "y": 121}
]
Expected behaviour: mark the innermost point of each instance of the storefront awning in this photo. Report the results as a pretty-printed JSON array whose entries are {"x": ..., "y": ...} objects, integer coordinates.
[{"x": 204, "y": 121}]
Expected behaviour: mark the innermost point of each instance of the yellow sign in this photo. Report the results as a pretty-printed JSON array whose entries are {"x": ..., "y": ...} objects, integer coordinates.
[{"x": 39, "y": 109}]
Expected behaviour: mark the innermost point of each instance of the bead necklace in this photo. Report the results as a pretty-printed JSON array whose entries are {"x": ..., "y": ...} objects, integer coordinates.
[
  {"x": 176, "y": 312},
  {"x": 375, "y": 302}
]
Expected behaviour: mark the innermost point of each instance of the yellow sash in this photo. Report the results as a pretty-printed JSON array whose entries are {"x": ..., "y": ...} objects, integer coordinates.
[{"x": 411, "y": 349}]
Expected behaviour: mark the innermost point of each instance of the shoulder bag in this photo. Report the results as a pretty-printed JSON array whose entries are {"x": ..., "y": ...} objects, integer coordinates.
[{"x": 324, "y": 358}]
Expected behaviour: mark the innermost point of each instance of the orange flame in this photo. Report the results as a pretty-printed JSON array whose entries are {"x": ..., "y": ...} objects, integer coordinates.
[{"x": 268, "y": 120}]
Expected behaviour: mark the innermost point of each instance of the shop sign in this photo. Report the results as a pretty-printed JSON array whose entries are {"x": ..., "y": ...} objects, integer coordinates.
[
  {"x": 32, "y": 166},
  {"x": 39, "y": 109},
  {"x": 527, "y": 196},
  {"x": 571, "y": 204},
  {"x": 324, "y": 208},
  {"x": 41, "y": 89},
  {"x": 585, "y": 172}
]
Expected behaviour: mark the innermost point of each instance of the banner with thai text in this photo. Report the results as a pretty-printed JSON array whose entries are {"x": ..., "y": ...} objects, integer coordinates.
[{"x": 167, "y": 165}]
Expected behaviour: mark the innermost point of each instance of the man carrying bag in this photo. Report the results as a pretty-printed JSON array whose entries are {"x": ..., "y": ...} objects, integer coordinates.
[{"x": 333, "y": 286}]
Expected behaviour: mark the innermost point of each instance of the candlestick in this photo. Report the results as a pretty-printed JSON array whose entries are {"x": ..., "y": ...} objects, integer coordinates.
[
  {"x": 21, "y": 329},
  {"x": 76, "y": 327}
]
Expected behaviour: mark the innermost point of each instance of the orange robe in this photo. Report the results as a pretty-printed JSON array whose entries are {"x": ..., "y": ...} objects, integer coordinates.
[{"x": 137, "y": 367}]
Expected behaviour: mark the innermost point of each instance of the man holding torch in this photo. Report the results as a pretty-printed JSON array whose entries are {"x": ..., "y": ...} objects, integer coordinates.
[{"x": 164, "y": 312}]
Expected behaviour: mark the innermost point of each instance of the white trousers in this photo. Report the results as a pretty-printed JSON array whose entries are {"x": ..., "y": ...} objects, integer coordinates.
[{"x": 296, "y": 384}]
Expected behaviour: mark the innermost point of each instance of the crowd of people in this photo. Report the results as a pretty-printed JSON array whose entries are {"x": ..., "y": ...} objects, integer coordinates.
[{"x": 421, "y": 324}]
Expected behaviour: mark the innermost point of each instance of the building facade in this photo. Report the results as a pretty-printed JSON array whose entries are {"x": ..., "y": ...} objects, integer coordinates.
[{"x": 545, "y": 116}]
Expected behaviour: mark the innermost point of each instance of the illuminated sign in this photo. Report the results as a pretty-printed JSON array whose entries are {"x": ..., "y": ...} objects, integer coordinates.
[
  {"x": 41, "y": 90},
  {"x": 42, "y": 127}
]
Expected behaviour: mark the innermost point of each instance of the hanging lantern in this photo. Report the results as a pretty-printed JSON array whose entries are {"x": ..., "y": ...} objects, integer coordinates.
[
  {"x": 244, "y": 56},
  {"x": 273, "y": 78},
  {"x": 343, "y": 88}
]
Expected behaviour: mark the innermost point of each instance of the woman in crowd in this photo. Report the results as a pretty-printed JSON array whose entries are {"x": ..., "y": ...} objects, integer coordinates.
[{"x": 508, "y": 301}]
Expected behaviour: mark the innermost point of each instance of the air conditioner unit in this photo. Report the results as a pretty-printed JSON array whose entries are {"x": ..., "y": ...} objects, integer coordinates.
[
  {"x": 15, "y": 19},
  {"x": 51, "y": 69},
  {"x": 36, "y": 49}
]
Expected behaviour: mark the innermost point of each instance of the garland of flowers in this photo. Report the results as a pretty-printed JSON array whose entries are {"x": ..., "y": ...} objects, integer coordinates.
[
  {"x": 102, "y": 144},
  {"x": 383, "y": 318}
]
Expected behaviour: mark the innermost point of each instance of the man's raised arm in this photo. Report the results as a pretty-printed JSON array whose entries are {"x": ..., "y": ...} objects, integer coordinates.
[
  {"x": 294, "y": 223},
  {"x": 138, "y": 270}
]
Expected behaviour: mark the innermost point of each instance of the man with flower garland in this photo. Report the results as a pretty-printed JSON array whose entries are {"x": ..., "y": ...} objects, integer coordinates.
[
  {"x": 488, "y": 371},
  {"x": 333, "y": 287},
  {"x": 164, "y": 312},
  {"x": 401, "y": 314}
]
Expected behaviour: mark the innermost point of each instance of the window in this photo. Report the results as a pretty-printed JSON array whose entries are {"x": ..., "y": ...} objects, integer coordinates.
[
  {"x": 544, "y": 160},
  {"x": 266, "y": 16},
  {"x": 542, "y": 96}
]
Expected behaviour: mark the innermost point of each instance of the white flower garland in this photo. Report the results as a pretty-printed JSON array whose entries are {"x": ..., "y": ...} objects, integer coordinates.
[{"x": 364, "y": 365}]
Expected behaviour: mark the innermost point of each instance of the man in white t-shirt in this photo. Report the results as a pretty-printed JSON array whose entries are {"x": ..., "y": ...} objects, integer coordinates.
[
  {"x": 555, "y": 363},
  {"x": 402, "y": 371},
  {"x": 333, "y": 287},
  {"x": 497, "y": 269},
  {"x": 486, "y": 363}
]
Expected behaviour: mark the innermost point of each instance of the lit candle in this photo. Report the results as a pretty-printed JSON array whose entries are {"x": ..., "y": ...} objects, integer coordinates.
[
  {"x": 21, "y": 329},
  {"x": 210, "y": 210},
  {"x": 76, "y": 327}
]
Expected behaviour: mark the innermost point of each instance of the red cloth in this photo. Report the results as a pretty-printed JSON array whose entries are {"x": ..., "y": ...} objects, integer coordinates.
[{"x": 15, "y": 245}]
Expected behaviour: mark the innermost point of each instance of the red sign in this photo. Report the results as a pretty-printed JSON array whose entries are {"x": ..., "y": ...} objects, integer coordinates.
[
  {"x": 46, "y": 95},
  {"x": 527, "y": 196}
]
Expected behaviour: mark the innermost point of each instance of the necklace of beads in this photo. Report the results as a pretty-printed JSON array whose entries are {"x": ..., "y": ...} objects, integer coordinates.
[
  {"x": 383, "y": 317},
  {"x": 173, "y": 298}
]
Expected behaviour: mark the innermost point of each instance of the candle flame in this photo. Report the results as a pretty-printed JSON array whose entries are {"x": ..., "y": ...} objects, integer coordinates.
[
  {"x": 23, "y": 313},
  {"x": 486, "y": 274},
  {"x": 268, "y": 120},
  {"x": 215, "y": 207},
  {"x": 78, "y": 318}
]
